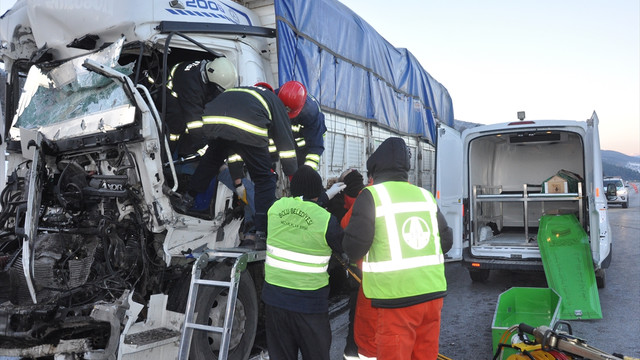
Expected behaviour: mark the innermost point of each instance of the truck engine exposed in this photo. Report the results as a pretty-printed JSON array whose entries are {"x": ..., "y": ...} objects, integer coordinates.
[{"x": 92, "y": 246}]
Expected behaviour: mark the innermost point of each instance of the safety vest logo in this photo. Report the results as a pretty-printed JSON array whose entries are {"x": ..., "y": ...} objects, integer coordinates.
[{"x": 416, "y": 232}]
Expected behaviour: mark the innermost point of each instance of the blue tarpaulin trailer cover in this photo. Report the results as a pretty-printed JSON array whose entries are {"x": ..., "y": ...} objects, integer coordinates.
[{"x": 352, "y": 70}]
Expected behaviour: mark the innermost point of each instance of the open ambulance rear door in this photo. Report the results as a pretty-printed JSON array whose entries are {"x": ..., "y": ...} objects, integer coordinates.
[
  {"x": 600, "y": 230},
  {"x": 449, "y": 184}
]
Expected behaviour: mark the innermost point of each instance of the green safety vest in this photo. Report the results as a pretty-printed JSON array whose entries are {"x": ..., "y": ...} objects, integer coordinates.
[
  {"x": 405, "y": 258},
  {"x": 297, "y": 251}
]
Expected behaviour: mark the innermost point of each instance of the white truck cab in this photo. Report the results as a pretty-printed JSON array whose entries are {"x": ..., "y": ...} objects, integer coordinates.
[{"x": 492, "y": 184}]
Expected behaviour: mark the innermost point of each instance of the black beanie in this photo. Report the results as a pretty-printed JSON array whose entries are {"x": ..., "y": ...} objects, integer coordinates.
[
  {"x": 306, "y": 182},
  {"x": 353, "y": 180}
]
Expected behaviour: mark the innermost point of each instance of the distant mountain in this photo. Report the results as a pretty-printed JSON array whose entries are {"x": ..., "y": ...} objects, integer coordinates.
[
  {"x": 619, "y": 159},
  {"x": 617, "y": 164}
]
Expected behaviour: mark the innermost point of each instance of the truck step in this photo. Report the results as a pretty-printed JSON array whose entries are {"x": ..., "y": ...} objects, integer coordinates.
[{"x": 151, "y": 336}]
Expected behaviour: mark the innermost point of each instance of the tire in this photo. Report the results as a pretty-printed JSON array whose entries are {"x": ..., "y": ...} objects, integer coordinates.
[
  {"x": 479, "y": 275},
  {"x": 625, "y": 204},
  {"x": 600, "y": 278},
  {"x": 210, "y": 310}
]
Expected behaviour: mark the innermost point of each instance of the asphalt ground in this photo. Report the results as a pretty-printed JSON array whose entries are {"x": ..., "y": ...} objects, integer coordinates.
[{"x": 469, "y": 307}]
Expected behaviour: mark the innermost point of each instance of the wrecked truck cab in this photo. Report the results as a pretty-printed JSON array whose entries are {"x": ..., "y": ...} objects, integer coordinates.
[
  {"x": 74, "y": 233},
  {"x": 93, "y": 259}
]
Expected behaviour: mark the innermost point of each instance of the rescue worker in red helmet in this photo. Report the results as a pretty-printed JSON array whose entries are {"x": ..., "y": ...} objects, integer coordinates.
[
  {"x": 241, "y": 120},
  {"x": 307, "y": 122},
  {"x": 399, "y": 232},
  {"x": 190, "y": 85},
  {"x": 308, "y": 128}
]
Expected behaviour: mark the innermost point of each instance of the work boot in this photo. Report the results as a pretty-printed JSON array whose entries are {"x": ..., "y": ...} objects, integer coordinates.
[
  {"x": 261, "y": 240},
  {"x": 183, "y": 203}
]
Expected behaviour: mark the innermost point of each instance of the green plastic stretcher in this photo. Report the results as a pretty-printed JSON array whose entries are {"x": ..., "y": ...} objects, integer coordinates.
[{"x": 568, "y": 266}]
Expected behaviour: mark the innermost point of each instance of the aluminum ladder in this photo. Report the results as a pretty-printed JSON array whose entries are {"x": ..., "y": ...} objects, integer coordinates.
[{"x": 189, "y": 325}]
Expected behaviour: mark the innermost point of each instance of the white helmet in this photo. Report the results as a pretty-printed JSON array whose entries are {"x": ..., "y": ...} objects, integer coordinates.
[{"x": 222, "y": 72}]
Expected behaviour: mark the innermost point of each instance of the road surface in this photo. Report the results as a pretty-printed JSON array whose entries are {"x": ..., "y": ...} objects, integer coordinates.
[{"x": 469, "y": 307}]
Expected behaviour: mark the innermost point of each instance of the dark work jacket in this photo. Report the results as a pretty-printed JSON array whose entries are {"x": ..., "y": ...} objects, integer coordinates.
[
  {"x": 246, "y": 107},
  {"x": 305, "y": 301},
  {"x": 312, "y": 129},
  {"x": 389, "y": 162},
  {"x": 193, "y": 92}
]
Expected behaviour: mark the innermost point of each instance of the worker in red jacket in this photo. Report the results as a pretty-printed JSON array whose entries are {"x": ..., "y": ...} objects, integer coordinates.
[{"x": 399, "y": 233}]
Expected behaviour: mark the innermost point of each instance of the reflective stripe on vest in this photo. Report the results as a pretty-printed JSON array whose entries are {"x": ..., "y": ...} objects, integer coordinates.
[
  {"x": 312, "y": 160},
  {"x": 405, "y": 258},
  {"x": 234, "y": 158},
  {"x": 257, "y": 96},
  {"x": 299, "y": 257},
  {"x": 237, "y": 123},
  {"x": 272, "y": 147},
  {"x": 240, "y": 124},
  {"x": 288, "y": 154},
  {"x": 170, "y": 80},
  {"x": 297, "y": 251}
]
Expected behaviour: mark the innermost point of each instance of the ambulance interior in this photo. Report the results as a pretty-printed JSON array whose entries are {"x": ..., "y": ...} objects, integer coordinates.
[{"x": 516, "y": 177}]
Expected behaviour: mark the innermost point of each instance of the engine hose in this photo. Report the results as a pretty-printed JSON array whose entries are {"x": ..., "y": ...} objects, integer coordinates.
[{"x": 559, "y": 355}]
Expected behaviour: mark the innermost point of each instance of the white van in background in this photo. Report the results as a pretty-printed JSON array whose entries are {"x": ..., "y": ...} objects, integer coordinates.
[{"x": 492, "y": 184}]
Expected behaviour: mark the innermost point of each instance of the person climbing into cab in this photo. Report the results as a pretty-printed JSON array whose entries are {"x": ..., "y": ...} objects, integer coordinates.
[
  {"x": 190, "y": 86},
  {"x": 241, "y": 120}
]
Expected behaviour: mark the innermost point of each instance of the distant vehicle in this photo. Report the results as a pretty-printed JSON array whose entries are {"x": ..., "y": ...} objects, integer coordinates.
[{"x": 621, "y": 194}]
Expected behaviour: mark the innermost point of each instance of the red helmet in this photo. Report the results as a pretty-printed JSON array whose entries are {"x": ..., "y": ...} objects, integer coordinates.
[
  {"x": 264, "y": 85},
  {"x": 293, "y": 95}
]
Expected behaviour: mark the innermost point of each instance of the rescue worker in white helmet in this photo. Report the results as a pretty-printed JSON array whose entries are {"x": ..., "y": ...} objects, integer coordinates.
[
  {"x": 190, "y": 85},
  {"x": 399, "y": 232},
  {"x": 241, "y": 120},
  {"x": 300, "y": 241}
]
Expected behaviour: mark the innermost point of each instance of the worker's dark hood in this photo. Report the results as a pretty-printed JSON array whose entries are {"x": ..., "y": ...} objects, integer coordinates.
[{"x": 390, "y": 161}]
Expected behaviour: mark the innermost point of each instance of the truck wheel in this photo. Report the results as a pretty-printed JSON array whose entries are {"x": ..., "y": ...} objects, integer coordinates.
[
  {"x": 479, "y": 275},
  {"x": 210, "y": 310},
  {"x": 600, "y": 278}
]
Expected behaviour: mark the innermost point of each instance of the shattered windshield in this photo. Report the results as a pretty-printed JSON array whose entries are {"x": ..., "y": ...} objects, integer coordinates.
[{"x": 70, "y": 91}]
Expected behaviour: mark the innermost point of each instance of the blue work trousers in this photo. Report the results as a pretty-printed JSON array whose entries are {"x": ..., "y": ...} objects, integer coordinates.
[{"x": 258, "y": 162}]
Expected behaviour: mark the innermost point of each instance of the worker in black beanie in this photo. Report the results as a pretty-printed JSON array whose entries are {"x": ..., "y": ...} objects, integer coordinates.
[
  {"x": 301, "y": 236},
  {"x": 342, "y": 202},
  {"x": 354, "y": 182},
  {"x": 307, "y": 183}
]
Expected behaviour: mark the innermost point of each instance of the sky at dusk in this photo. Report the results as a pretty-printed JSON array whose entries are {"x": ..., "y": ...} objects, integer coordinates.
[{"x": 552, "y": 59}]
